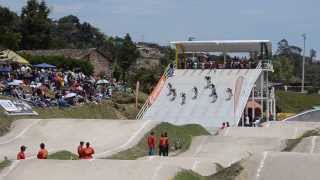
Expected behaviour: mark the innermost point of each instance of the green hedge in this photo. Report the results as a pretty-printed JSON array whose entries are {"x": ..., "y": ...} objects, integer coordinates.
[{"x": 61, "y": 62}]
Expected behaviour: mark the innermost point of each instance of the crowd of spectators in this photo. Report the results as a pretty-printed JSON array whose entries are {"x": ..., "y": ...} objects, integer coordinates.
[
  {"x": 51, "y": 87},
  {"x": 231, "y": 63}
]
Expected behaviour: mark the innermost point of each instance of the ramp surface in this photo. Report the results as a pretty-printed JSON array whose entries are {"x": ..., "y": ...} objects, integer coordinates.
[
  {"x": 202, "y": 110},
  {"x": 281, "y": 166},
  {"x": 266, "y": 132},
  {"x": 227, "y": 150},
  {"x": 106, "y": 136},
  {"x": 94, "y": 170}
]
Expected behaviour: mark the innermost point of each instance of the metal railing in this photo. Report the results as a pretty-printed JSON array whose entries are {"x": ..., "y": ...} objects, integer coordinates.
[{"x": 147, "y": 104}]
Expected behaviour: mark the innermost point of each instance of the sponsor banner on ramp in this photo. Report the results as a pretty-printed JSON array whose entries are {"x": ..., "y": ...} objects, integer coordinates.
[{"x": 155, "y": 93}]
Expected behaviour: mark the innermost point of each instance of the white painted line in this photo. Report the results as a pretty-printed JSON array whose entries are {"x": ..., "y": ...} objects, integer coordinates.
[
  {"x": 195, "y": 164},
  {"x": 200, "y": 147},
  {"x": 313, "y": 144},
  {"x": 156, "y": 172},
  {"x": 8, "y": 170},
  {"x": 21, "y": 133},
  {"x": 295, "y": 132},
  {"x": 261, "y": 166},
  {"x": 132, "y": 138},
  {"x": 306, "y": 112}
]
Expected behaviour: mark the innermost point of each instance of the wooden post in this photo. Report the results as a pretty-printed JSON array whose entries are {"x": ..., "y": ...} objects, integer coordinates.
[{"x": 137, "y": 93}]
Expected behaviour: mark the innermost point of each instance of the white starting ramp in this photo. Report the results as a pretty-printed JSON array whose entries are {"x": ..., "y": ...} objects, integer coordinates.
[{"x": 202, "y": 110}]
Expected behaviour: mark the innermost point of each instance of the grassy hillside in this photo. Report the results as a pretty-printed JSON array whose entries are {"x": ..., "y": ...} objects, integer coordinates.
[
  {"x": 183, "y": 134},
  {"x": 4, "y": 164},
  {"x": 63, "y": 155},
  {"x": 293, "y": 102},
  {"x": 229, "y": 173}
]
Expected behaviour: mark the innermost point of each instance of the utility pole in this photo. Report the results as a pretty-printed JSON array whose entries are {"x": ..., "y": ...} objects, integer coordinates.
[{"x": 303, "y": 60}]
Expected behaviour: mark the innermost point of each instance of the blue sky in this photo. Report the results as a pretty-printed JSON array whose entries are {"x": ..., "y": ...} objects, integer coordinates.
[{"x": 162, "y": 21}]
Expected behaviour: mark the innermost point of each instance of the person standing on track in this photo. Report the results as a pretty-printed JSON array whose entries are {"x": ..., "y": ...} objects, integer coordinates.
[
  {"x": 81, "y": 150},
  {"x": 151, "y": 144},
  {"x": 166, "y": 144},
  {"x": 161, "y": 145},
  {"x": 21, "y": 155},
  {"x": 88, "y": 151},
  {"x": 43, "y": 152}
]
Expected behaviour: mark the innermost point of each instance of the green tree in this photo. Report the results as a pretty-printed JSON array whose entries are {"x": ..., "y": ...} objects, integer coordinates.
[
  {"x": 126, "y": 54},
  {"x": 169, "y": 56},
  {"x": 35, "y": 25},
  {"x": 9, "y": 35},
  {"x": 283, "y": 69}
]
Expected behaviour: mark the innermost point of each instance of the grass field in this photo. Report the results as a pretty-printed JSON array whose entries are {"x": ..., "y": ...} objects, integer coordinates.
[
  {"x": 63, "y": 155},
  {"x": 4, "y": 164},
  {"x": 293, "y": 102},
  {"x": 183, "y": 134}
]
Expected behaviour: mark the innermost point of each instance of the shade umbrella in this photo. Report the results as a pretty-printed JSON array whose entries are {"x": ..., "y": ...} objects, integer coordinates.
[
  {"x": 70, "y": 95},
  {"x": 44, "y": 65},
  {"x": 102, "y": 81}
]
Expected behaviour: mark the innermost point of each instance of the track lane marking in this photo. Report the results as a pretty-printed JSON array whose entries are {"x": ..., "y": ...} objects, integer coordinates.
[
  {"x": 313, "y": 144},
  {"x": 132, "y": 138},
  {"x": 261, "y": 166},
  {"x": 21, "y": 133}
]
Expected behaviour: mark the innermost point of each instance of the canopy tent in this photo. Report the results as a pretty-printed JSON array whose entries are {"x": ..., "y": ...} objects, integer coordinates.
[
  {"x": 8, "y": 56},
  {"x": 44, "y": 65},
  {"x": 102, "y": 81},
  {"x": 231, "y": 46}
]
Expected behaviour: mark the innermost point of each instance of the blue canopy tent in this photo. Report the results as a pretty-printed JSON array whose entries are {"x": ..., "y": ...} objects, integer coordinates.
[{"x": 44, "y": 65}]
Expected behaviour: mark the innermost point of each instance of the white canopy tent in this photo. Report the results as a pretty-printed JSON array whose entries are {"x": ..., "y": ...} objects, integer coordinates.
[{"x": 231, "y": 46}]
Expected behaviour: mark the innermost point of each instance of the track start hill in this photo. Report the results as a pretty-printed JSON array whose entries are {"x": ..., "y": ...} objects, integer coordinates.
[{"x": 202, "y": 110}]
